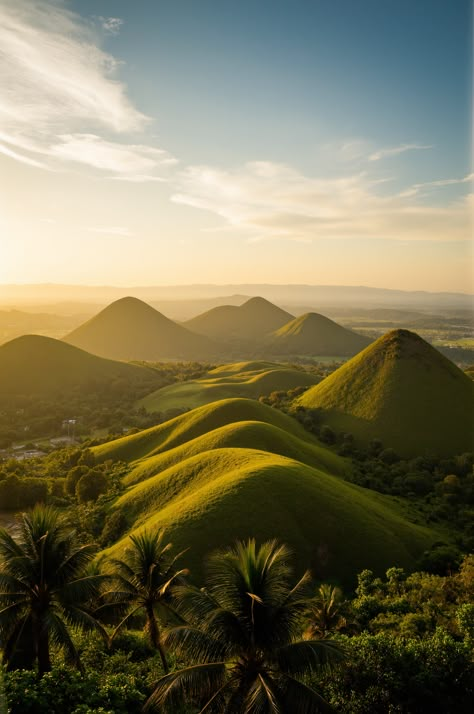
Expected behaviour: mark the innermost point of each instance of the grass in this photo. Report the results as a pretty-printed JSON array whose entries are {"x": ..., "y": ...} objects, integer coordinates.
[
  {"x": 314, "y": 334},
  {"x": 193, "y": 424},
  {"x": 237, "y": 468},
  {"x": 213, "y": 498},
  {"x": 248, "y": 379},
  {"x": 33, "y": 364},
  {"x": 403, "y": 392}
]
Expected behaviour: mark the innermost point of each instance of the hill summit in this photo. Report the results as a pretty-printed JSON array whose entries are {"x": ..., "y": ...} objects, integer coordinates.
[
  {"x": 314, "y": 334},
  {"x": 130, "y": 329},
  {"x": 247, "y": 322},
  {"x": 33, "y": 364},
  {"x": 402, "y": 391}
]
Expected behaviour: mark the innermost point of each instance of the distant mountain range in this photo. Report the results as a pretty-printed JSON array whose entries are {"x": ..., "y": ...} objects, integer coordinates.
[
  {"x": 130, "y": 329},
  {"x": 314, "y": 296}
]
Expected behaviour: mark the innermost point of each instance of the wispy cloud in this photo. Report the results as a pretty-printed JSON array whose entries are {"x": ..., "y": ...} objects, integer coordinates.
[
  {"x": 111, "y": 25},
  {"x": 395, "y": 150},
  {"x": 61, "y": 97},
  {"x": 268, "y": 200}
]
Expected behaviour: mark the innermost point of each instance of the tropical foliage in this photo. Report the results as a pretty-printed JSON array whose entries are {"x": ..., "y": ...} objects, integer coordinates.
[
  {"x": 45, "y": 588},
  {"x": 241, "y": 637}
]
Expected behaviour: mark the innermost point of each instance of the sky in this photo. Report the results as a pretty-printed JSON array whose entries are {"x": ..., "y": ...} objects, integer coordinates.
[{"x": 163, "y": 142}]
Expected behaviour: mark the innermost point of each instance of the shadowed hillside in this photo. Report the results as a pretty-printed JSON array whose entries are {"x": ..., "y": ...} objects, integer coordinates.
[
  {"x": 251, "y": 380},
  {"x": 129, "y": 329},
  {"x": 402, "y": 391},
  {"x": 245, "y": 323},
  {"x": 314, "y": 334},
  {"x": 33, "y": 364},
  {"x": 237, "y": 468}
]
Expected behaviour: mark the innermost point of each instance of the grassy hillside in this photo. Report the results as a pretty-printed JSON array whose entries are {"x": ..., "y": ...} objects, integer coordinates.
[
  {"x": 250, "y": 380},
  {"x": 215, "y": 497},
  {"x": 193, "y": 424},
  {"x": 314, "y": 334},
  {"x": 245, "y": 323},
  {"x": 33, "y": 364},
  {"x": 129, "y": 329},
  {"x": 237, "y": 468},
  {"x": 402, "y": 391}
]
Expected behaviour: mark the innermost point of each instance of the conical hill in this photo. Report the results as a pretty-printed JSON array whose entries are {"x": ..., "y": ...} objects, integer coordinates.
[
  {"x": 129, "y": 329},
  {"x": 402, "y": 391},
  {"x": 246, "y": 322},
  {"x": 314, "y": 334},
  {"x": 33, "y": 364}
]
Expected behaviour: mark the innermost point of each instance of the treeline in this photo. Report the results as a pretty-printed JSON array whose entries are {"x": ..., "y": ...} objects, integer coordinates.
[{"x": 255, "y": 638}]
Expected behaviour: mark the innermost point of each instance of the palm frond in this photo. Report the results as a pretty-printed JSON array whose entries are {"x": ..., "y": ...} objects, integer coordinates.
[{"x": 198, "y": 682}]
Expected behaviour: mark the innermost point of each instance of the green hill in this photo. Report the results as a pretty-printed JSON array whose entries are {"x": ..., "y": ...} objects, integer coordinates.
[
  {"x": 243, "y": 323},
  {"x": 402, "y": 391},
  {"x": 33, "y": 364},
  {"x": 211, "y": 499},
  {"x": 314, "y": 334},
  {"x": 129, "y": 329},
  {"x": 245, "y": 379},
  {"x": 188, "y": 426},
  {"x": 237, "y": 468}
]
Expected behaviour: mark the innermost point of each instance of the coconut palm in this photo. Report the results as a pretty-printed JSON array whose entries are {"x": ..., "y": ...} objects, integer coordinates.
[
  {"x": 143, "y": 581},
  {"x": 325, "y": 612},
  {"x": 44, "y": 588},
  {"x": 241, "y": 638}
]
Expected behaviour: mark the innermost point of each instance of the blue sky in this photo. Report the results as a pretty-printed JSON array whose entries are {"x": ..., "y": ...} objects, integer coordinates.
[{"x": 216, "y": 141}]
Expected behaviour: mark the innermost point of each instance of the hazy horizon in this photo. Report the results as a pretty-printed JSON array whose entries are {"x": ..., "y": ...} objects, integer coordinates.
[{"x": 323, "y": 144}]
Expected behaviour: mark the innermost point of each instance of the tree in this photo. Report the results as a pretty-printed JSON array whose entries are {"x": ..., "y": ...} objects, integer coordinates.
[
  {"x": 241, "y": 638},
  {"x": 44, "y": 587},
  {"x": 324, "y": 612},
  {"x": 143, "y": 581}
]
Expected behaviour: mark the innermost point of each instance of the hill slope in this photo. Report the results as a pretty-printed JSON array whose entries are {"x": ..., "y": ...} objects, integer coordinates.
[
  {"x": 314, "y": 334},
  {"x": 33, "y": 364},
  {"x": 226, "y": 382},
  {"x": 402, "y": 391},
  {"x": 238, "y": 468},
  {"x": 129, "y": 329},
  {"x": 244, "y": 323}
]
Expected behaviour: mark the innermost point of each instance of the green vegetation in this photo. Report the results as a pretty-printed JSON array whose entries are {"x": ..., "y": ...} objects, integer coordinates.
[
  {"x": 251, "y": 380},
  {"x": 401, "y": 391},
  {"x": 313, "y": 334},
  {"x": 143, "y": 581},
  {"x": 402, "y": 643},
  {"x": 32, "y": 365},
  {"x": 242, "y": 324},
  {"x": 45, "y": 589},
  {"x": 129, "y": 329},
  {"x": 241, "y": 639},
  {"x": 238, "y": 468}
]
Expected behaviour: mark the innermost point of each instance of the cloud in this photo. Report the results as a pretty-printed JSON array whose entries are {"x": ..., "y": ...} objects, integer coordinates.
[
  {"x": 111, "y": 25},
  {"x": 61, "y": 97},
  {"x": 124, "y": 159},
  {"x": 269, "y": 200},
  {"x": 395, "y": 150}
]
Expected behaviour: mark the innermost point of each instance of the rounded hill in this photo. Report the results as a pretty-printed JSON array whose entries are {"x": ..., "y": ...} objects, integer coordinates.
[
  {"x": 246, "y": 323},
  {"x": 211, "y": 499},
  {"x": 402, "y": 391},
  {"x": 227, "y": 382},
  {"x": 130, "y": 329},
  {"x": 33, "y": 364},
  {"x": 314, "y": 334}
]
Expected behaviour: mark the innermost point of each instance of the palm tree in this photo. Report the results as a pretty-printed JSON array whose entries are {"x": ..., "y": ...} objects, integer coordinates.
[
  {"x": 241, "y": 638},
  {"x": 324, "y": 612},
  {"x": 44, "y": 588},
  {"x": 143, "y": 581}
]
